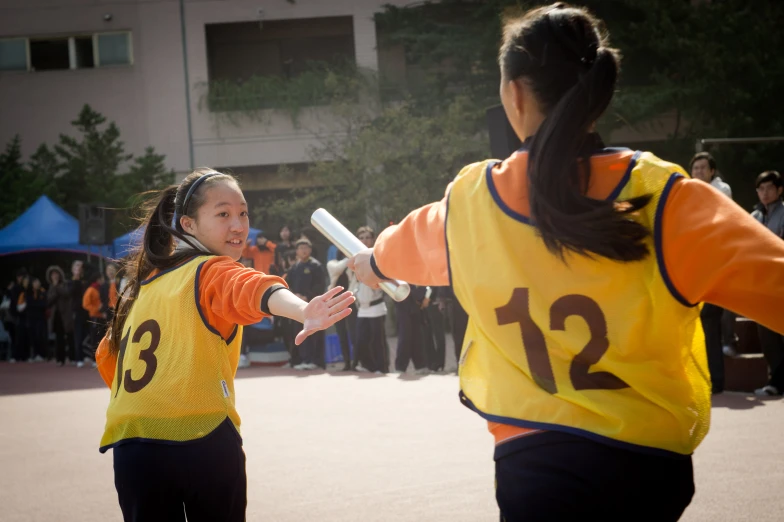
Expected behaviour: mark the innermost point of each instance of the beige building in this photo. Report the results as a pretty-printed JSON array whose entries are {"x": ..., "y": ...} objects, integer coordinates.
[{"x": 125, "y": 58}]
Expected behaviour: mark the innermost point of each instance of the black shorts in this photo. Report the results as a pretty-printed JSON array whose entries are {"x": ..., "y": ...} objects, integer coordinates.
[
  {"x": 555, "y": 476},
  {"x": 204, "y": 479}
]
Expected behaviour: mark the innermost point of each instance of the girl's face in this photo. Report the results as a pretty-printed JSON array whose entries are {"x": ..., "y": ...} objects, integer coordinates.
[
  {"x": 25, "y": 282},
  {"x": 55, "y": 277},
  {"x": 285, "y": 233},
  {"x": 221, "y": 222},
  {"x": 36, "y": 284}
]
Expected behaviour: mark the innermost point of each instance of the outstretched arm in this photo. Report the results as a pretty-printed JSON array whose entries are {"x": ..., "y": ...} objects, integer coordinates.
[{"x": 319, "y": 314}]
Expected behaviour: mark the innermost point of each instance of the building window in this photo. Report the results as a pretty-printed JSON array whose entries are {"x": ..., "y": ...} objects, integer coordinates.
[
  {"x": 68, "y": 52},
  {"x": 238, "y": 51},
  {"x": 82, "y": 53},
  {"x": 113, "y": 49},
  {"x": 13, "y": 54},
  {"x": 47, "y": 55}
]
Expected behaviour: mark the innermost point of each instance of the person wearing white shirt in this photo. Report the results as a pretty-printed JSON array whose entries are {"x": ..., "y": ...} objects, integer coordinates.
[{"x": 371, "y": 349}]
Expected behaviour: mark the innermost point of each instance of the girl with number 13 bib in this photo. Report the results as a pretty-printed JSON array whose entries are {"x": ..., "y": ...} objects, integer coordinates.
[
  {"x": 584, "y": 350},
  {"x": 171, "y": 353}
]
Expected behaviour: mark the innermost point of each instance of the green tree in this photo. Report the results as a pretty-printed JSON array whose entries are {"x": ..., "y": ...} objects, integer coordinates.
[
  {"x": 89, "y": 167},
  {"x": 43, "y": 168},
  {"x": 713, "y": 65},
  {"x": 90, "y": 162},
  {"x": 13, "y": 177},
  {"x": 147, "y": 172}
]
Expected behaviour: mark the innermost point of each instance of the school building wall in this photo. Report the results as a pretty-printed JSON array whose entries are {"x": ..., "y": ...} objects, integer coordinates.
[{"x": 147, "y": 98}]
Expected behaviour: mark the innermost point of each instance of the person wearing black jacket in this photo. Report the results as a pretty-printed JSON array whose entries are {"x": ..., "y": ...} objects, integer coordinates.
[{"x": 307, "y": 279}]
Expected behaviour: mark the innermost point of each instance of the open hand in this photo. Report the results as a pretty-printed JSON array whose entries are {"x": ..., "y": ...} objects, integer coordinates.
[{"x": 323, "y": 311}]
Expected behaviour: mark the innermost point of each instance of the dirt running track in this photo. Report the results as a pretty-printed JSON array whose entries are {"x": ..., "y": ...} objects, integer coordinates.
[{"x": 342, "y": 447}]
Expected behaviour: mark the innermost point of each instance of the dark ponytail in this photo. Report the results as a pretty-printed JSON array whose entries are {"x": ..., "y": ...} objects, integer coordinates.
[
  {"x": 559, "y": 52},
  {"x": 157, "y": 250}
]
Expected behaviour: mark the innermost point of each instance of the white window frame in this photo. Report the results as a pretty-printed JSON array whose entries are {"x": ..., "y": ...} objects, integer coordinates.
[{"x": 72, "y": 50}]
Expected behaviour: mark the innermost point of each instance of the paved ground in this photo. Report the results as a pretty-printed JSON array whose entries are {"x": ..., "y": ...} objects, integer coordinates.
[{"x": 341, "y": 447}]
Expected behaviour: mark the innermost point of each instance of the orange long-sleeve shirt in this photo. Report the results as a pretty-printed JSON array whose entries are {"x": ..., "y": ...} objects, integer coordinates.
[
  {"x": 713, "y": 250},
  {"x": 229, "y": 294},
  {"x": 91, "y": 301},
  {"x": 262, "y": 258}
]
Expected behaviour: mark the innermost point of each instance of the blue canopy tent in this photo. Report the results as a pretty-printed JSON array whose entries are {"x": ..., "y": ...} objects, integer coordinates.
[
  {"x": 42, "y": 227},
  {"x": 123, "y": 245}
]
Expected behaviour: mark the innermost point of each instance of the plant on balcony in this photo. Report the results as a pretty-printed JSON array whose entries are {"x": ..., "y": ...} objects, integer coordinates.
[{"x": 253, "y": 99}]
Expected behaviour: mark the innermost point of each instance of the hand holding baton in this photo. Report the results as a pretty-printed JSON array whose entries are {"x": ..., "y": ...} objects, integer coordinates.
[{"x": 348, "y": 243}]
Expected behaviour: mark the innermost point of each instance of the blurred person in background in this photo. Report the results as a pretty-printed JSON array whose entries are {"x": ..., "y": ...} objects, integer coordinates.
[
  {"x": 371, "y": 350},
  {"x": 12, "y": 324},
  {"x": 411, "y": 339},
  {"x": 77, "y": 288},
  {"x": 60, "y": 312},
  {"x": 770, "y": 212},
  {"x": 262, "y": 253},
  {"x": 285, "y": 245},
  {"x": 307, "y": 280},
  {"x": 38, "y": 331},
  {"x": 91, "y": 302},
  {"x": 434, "y": 306},
  {"x": 22, "y": 342},
  {"x": 340, "y": 275}
]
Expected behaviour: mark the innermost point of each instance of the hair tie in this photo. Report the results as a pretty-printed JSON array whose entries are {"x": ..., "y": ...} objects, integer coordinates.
[{"x": 590, "y": 56}]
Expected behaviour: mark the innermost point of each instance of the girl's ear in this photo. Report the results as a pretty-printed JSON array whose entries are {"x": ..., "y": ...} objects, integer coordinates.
[{"x": 187, "y": 224}]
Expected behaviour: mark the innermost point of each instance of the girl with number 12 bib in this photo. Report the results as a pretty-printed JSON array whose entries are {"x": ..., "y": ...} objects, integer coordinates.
[
  {"x": 584, "y": 350},
  {"x": 171, "y": 353}
]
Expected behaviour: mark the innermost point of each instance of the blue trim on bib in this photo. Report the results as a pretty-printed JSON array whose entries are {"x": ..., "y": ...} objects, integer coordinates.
[
  {"x": 233, "y": 334},
  {"x": 446, "y": 241},
  {"x": 658, "y": 240},
  {"x": 626, "y": 176},
  {"x": 198, "y": 304},
  {"x": 164, "y": 272},
  {"x": 566, "y": 429},
  {"x": 525, "y": 219},
  {"x": 497, "y": 197}
]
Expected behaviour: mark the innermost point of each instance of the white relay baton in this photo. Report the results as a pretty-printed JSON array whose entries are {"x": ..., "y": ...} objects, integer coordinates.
[{"x": 348, "y": 243}]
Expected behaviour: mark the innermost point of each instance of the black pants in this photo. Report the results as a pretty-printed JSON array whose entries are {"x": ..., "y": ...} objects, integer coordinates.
[
  {"x": 410, "y": 340},
  {"x": 204, "y": 480},
  {"x": 79, "y": 333},
  {"x": 22, "y": 341},
  {"x": 436, "y": 338},
  {"x": 459, "y": 324},
  {"x": 288, "y": 332},
  {"x": 728, "y": 336},
  {"x": 346, "y": 332},
  {"x": 39, "y": 337},
  {"x": 711, "y": 324},
  {"x": 312, "y": 350},
  {"x": 773, "y": 348},
  {"x": 372, "y": 349},
  {"x": 61, "y": 339},
  {"x": 557, "y": 477}
]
